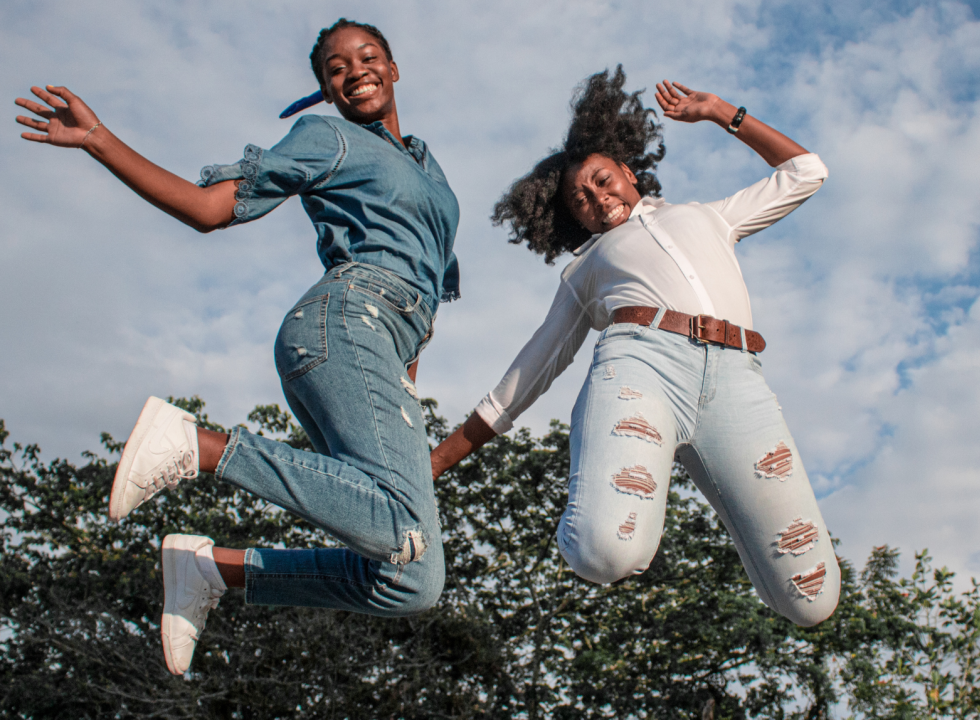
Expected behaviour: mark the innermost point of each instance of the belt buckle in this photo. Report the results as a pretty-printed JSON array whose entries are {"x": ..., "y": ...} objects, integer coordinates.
[{"x": 697, "y": 328}]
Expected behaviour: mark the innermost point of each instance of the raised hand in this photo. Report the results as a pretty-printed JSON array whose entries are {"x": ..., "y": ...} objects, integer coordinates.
[
  {"x": 685, "y": 105},
  {"x": 68, "y": 118}
]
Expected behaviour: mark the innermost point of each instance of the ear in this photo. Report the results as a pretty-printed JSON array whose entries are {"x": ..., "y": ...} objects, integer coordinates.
[
  {"x": 325, "y": 89},
  {"x": 394, "y": 71},
  {"x": 628, "y": 173}
]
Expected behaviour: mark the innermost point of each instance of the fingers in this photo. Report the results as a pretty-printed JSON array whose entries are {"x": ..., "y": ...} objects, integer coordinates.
[
  {"x": 62, "y": 92},
  {"x": 32, "y": 123},
  {"x": 35, "y": 108},
  {"x": 669, "y": 103},
  {"x": 51, "y": 99},
  {"x": 673, "y": 87},
  {"x": 683, "y": 88},
  {"x": 33, "y": 137}
]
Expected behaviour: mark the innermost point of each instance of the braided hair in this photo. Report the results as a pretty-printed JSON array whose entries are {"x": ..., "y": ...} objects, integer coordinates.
[
  {"x": 317, "y": 55},
  {"x": 606, "y": 120}
]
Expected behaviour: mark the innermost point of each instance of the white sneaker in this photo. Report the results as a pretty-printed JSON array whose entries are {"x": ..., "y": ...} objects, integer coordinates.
[
  {"x": 161, "y": 451},
  {"x": 187, "y": 598}
]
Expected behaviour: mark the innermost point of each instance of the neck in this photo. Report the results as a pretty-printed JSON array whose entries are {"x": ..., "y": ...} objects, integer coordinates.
[{"x": 390, "y": 121}]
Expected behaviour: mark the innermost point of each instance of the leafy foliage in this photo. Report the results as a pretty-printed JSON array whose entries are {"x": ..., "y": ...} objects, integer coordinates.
[{"x": 515, "y": 634}]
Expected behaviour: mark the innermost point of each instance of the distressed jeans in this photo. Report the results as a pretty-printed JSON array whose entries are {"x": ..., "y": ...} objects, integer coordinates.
[
  {"x": 651, "y": 394},
  {"x": 342, "y": 354}
]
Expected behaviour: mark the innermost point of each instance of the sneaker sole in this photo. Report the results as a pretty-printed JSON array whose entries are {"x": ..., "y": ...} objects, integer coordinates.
[
  {"x": 143, "y": 426},
  {"x": 168, "y": 561}
]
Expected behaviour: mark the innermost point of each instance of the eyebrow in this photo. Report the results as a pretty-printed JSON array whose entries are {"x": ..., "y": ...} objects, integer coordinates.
[{"x": 362, "y": 45}]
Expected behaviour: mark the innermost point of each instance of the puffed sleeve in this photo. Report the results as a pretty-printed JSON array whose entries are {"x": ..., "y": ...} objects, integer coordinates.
[
  {"x": 306, "y": 157},
  {"x": 450, "y": 280},
  {"x": 760, "y": 205},
  {"x": 549, "y": 351}
]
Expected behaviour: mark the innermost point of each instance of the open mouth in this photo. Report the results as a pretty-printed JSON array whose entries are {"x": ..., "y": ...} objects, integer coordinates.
[
  {"x": 363, "y": 90},
  {"x": 615, "y": 215}
]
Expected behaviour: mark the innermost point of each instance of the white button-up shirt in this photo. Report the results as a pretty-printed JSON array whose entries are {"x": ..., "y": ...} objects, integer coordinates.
[{"x": 679, "y": 257}]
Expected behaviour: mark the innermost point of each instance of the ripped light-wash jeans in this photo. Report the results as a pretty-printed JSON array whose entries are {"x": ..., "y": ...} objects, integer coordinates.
[
  {"x": 651, "y": 394},
  {"x": 342, "y": 354}
]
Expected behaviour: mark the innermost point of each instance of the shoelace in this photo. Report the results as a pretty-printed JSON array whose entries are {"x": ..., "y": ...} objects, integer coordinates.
[
  {"x": 174, "y": 471},
  {"x": 207, "y": 602}
]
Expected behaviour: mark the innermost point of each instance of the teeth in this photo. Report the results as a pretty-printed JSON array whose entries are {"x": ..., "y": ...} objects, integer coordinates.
[
  {"x": 614, "y": 215},
  {"x": 363, "y": 89}
]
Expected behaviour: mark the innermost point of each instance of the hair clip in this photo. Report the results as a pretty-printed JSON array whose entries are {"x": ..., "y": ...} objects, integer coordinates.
[{"x": 302, "y": 104}]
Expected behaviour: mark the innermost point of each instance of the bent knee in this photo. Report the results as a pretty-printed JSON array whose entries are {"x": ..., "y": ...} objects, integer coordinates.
[
  {"x": 807, "y": 614},
  {"x": 810, "y": 597},
  {"x": 415, "y": 589},
  {"x": 418, "y": 584},
  {"x": 603, "y": 565}
]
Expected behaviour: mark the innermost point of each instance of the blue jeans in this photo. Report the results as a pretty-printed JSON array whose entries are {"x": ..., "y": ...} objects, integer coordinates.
[
  {"x": 342, "y": 354},
  {"x": 651, "y": 394}
]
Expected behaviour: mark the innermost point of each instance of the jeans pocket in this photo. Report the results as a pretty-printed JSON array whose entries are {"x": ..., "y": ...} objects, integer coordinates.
[
  {"x": 378, "y": 294},
  {"x": 617, "y": 332},
  {"x": 302, "y": 341}
]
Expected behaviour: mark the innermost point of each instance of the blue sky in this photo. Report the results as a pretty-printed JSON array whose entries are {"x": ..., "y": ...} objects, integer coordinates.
[{"x": 866, "y": 295}]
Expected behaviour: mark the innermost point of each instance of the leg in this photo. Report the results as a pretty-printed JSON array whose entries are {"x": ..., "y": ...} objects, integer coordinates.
[
  {"x": 342, "y": 353},
  {"x": 231, "y": 566},
  {"x": 370, "y": 485},
  {"x": 744, "y": 460},
  {"x": 212, "y": 446},
  {"x": 622, "y": 447}
]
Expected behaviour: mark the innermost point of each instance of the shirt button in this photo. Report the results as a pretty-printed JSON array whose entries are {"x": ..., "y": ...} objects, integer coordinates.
[{"x": 691, "y": 276}]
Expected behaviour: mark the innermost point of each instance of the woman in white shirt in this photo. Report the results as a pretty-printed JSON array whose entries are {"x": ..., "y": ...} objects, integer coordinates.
[{"x": 675, "y": 370}]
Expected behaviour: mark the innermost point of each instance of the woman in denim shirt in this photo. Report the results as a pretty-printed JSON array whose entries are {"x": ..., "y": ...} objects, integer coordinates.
[{"x": 346, "y": 353}]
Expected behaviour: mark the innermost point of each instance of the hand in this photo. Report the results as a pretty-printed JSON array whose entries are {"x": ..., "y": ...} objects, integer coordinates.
[
  {"x": 690, "y": 106},
  {"x": 67, "y": 124}
]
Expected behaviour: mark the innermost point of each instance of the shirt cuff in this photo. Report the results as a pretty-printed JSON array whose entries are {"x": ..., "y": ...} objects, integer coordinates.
[
  {"x": 809, "y": 166},
  {"x": 491, "y": 412}
]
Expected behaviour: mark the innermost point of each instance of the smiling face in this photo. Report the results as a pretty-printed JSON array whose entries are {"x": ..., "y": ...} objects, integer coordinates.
[
  {"x": 359, "y": 77},
  {"x": 600, "y": 193}
]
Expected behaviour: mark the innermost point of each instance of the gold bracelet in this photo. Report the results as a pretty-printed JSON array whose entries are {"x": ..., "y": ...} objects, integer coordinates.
[{"x": 90, "y": 131}]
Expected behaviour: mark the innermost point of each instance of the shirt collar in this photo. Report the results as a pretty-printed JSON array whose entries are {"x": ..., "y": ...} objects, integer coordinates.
[
  {"x": 646, "y": 205},
  {"x": 416, "y": 148}
]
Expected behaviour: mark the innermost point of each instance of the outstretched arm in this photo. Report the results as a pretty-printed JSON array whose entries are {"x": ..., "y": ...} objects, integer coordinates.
[
  {"x": 685, "y": 105},
  {"x": 467, "y": 438},
  {"x": 69, "y": 122}
]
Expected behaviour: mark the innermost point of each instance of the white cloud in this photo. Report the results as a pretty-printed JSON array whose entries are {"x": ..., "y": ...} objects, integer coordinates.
[{"x": 106, "y": 300}]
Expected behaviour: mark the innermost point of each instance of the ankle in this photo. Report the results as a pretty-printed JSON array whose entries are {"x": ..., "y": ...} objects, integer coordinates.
[
  {"x": 231, "y": 565},
  {"x": 211, "y": 446}
]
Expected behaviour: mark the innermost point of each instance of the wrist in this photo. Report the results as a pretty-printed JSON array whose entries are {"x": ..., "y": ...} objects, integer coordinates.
[
  {"x": 96, "y": 141},
  {"x": 88, "y": 134},
  {"x": 722, "y": 113}
]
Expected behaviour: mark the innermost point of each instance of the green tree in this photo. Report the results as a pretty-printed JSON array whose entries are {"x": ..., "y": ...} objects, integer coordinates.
[{"x": 515, "y": 634}]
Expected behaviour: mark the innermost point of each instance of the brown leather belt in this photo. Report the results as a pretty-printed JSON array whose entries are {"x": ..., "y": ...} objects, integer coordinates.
[{"x": 702, "y": 328}]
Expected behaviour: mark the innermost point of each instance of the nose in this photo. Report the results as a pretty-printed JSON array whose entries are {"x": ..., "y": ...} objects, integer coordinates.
[{"x": 604, "y": 202}]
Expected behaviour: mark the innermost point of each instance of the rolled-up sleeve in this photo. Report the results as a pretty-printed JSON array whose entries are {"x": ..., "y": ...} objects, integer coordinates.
[
  {"x": 549, "y": 351},
  {"x": 760, "y": 205},
  {"x": 307, "y": 156}
]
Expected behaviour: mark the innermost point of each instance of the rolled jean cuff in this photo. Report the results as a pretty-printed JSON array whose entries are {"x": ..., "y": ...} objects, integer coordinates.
[
  {"x": 249, "y": 576},
  {"x": 234, "y": 437}
]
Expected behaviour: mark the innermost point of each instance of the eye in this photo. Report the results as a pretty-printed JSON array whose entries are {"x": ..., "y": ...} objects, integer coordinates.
[
  {"x": 335, "y": 69},
  {"x": 370, "y": 58}
]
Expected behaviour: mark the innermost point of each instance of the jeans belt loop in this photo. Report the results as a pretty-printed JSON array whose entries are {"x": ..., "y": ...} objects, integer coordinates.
[
  {"x": 745, "y": 345},
  {"x": 658, "y": 318}
]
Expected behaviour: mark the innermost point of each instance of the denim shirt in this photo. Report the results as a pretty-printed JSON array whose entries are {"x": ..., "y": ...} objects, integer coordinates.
[{"x": 371, "y": 199}]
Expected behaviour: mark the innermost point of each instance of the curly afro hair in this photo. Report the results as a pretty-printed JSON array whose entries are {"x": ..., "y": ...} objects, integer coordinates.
[
  {"x": 606, "y": 120},
  {"x": 317, "y": 55}
]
